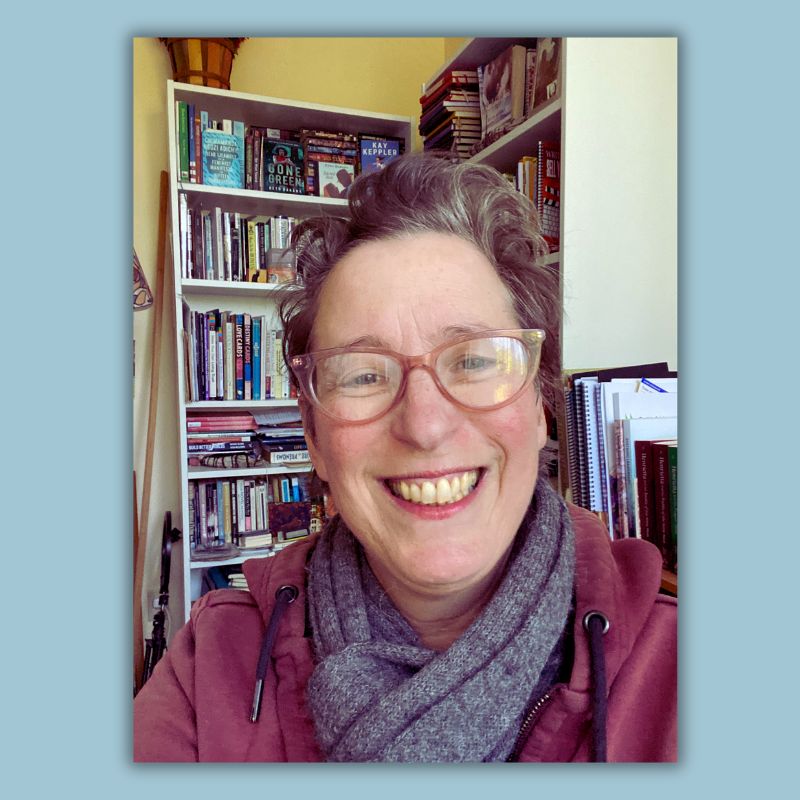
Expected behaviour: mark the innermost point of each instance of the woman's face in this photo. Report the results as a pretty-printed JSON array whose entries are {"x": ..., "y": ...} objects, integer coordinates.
[{"x": 409, "y": 295}]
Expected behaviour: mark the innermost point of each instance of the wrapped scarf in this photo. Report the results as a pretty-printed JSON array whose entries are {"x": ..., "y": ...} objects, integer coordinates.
[{"x": 377, "y": 694}]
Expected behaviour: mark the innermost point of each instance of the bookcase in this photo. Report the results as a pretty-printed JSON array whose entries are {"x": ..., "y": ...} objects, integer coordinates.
[
  {"x": 240, "y": 297},
  {"x": 616, "y": 120}
]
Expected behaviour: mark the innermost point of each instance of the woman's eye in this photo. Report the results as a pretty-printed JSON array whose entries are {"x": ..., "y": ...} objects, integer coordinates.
[
  {"x": 472, "y": 363},
  {"x": 362, "y": 379}
]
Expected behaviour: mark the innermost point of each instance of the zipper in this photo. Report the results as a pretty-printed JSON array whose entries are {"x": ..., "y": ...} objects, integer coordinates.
[{"x": 527, "y": 724}]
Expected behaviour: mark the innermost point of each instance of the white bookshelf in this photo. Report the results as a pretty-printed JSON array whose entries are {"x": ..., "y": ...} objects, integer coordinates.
[
  {"x": 616, "y": 119},
  {"x": 241, "y": 296}
]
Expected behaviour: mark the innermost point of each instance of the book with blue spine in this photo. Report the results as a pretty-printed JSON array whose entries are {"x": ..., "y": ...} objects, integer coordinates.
[{"x": 256, "y": 345}]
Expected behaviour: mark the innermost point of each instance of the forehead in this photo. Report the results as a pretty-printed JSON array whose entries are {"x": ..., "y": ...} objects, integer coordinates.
[{"x": 411, "y": 290}]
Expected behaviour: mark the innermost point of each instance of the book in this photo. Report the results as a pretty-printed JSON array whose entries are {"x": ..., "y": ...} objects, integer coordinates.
[
  {"x": 530, "y": 80},
  {"x": 283, "y": 166},
  {"x": 632, "y": 431},
  {"x": 183, "y": 139},
  {"x": 288, "y": 456},
  {"x": 502, "y": 92},
  {"x": 548, "y": 191},
  {"x": 672, "y": 459},
  {"x": 333, "y": 179},
  {"x": 375, "y": 152},
  {"x": 223, "y": 159},
  {"x": 547, "y": 84},
  {"x": 662, "y": 534},
  {"x": 451, "y": 77}
]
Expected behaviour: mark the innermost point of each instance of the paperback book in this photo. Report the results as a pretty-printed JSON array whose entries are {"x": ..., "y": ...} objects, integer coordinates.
[
  {"x": 223, "y": 158},
  {"x": 375, "y": 152},
  {"x": 283, "y": 166}
]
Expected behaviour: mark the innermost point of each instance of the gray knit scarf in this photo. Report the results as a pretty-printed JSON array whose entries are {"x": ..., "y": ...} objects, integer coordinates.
[{"x": 377, "y": 694}]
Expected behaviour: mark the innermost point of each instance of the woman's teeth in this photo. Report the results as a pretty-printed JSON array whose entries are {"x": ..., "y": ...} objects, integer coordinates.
[{"x": 439, "y": 492}]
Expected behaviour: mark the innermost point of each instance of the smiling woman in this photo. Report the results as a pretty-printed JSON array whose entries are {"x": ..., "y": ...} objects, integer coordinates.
[{"x": 455, "y": 608}]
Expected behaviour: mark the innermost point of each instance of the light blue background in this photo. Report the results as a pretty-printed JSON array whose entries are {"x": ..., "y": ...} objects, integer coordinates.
[{"x": 66, "y": 146}]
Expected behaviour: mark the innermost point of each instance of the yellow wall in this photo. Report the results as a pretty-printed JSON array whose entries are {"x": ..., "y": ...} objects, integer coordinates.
[{"x": 383, "y": 75}]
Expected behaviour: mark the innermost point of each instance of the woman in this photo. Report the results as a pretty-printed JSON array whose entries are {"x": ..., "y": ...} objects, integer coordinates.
[{"x": 447, "y": 612}]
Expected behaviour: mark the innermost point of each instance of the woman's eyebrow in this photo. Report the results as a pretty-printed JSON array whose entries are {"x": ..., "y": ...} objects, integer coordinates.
[{"x": 449, "y": 332}]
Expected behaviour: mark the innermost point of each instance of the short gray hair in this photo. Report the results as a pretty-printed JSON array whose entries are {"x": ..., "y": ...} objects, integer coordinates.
[{"x": 421, "y": 193}]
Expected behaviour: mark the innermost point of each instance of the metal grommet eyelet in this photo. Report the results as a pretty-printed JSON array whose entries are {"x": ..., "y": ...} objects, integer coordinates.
[
  {"x": 289, "y": 593},
  {"x": 589, "y": 614}
]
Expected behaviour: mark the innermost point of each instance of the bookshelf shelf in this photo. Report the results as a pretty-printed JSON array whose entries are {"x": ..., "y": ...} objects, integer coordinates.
[
  {"x": 240, "y": 405},
  {"x": 203, "y": 473},
  {"x": 247, "y": 201},
  {"x": 231, "y": 561},
  {"x": 198, "y": 286},
  {"x": 241, "y": 297}
]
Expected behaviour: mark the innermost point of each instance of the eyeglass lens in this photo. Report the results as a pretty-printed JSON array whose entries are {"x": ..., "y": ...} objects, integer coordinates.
[{"x": 478, "y": 373}]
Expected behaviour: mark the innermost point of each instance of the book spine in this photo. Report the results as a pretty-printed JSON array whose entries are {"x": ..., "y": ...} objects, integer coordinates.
[
  {"x": 289, "y": 456},
  {"x": 247, "y": 356},
  {"x": 212, "y": 355},
  {"x": 183, "y": 228},
  {"x": 183, "y": 140},
  {"x": 220, "y": 358},
  {"x": 240, "y": 494},
  {"x": 230, "y": 361},
  {"x": 248, "y": 159},
  {"x": 227, "y": 247},
  {"x": 644, "y": 489},
  {"x": 203, "y": 521},
  {"x": 661, "y": 500},
  {"x": 190, "y": 111},
  {"x": 219, "y": 246},
  {"x": 273, "y": 373},
  {"x": 672, "y": 458},
  {"x": 258, "y": 179},
  {"x": 236, "y": 274},
  {"x": 234, "y": 513},
  {"x": 226, "y": 490},
  {"x": 239, "y": 357},
  {"x": 257, "y": 358}
]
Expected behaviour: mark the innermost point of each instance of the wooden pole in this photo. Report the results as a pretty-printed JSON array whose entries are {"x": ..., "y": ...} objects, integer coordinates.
[{"x": 140, "y": 535}]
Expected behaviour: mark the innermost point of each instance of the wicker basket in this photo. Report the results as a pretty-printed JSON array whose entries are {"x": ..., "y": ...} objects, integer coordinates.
[{"x": 204, "y": 62}]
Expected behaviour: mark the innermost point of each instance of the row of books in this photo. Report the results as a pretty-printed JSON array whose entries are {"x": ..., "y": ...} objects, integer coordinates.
[
  {"x": 228, "y": 246},
  {"x": 464, "y": 110},
  {"x": 232, "y": 356},
  {"x": 251, "y": 513},
  {"x": 235, "y": 440},
  {"x": 315, "y": 162},
  {"x": 622, "y": 431},
  {"x": 539, "y": 178}
]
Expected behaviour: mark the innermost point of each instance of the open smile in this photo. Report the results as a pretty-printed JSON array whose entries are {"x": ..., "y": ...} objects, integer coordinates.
[{"x": 440, "y": 490}]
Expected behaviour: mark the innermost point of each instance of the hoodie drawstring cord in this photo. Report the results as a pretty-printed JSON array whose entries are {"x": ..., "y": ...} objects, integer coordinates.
[
  {"x": 596, "y": 624},
  {"x": 285, "y": 596}
]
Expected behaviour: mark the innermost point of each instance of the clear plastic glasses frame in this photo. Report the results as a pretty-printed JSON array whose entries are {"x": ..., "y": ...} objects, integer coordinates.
[{"x": 306, "y": 367}]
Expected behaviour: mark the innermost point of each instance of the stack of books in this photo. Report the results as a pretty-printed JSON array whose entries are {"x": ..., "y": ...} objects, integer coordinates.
[
  {"x": 330, "y": 162},
  {"x": 222, "y": 440},
  {"x": 622, "y": 448},
  {"x": 283, "y": 444},
  {"x": 451, "y": 115}
]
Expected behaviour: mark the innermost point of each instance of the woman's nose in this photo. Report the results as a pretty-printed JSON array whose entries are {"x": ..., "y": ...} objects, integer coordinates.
[{"x": 424, "y": 417}]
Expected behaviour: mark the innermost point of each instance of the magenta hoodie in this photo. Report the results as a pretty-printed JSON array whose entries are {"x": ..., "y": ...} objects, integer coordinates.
[{"x": 197, "y": 704}]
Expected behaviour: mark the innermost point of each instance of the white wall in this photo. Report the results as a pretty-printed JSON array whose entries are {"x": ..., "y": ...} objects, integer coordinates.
[{"x": 619, "y": 185}]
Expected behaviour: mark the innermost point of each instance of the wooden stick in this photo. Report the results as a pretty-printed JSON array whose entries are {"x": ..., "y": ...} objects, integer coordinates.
[{"x": 144, "y": 516}]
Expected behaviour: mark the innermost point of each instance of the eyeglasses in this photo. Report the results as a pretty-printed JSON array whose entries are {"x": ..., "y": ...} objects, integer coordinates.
[{"x": 476, "y": 372}]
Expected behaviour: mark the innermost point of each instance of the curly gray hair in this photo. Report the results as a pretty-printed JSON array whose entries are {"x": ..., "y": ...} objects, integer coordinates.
[{"x": 420, "y": 193}]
